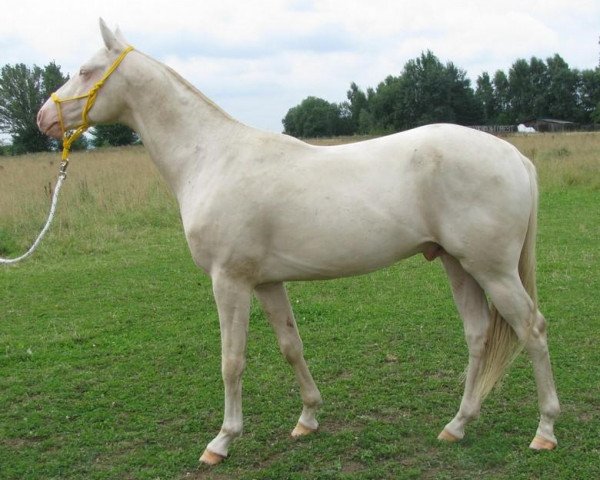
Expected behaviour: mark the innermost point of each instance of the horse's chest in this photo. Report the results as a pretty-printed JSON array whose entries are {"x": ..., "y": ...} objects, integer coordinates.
[{"x": 217, "y": 235}]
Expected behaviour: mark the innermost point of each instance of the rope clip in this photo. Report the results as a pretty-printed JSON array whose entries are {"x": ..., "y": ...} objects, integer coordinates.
[{"x": 63, "y": 168}]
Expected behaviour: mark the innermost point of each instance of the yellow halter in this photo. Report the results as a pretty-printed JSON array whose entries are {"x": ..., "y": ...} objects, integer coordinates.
[{"x": 68, "y": 139}]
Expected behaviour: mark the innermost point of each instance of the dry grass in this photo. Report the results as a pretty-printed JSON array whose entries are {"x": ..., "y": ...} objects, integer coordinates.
[
  {"x": 563, "y": 160},
  {"x": 118, "y": 178},
  {"x": 101, "y": 187}
]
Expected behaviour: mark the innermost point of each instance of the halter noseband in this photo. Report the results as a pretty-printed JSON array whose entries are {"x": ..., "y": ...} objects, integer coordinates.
[{"x": 69, "y": 139}]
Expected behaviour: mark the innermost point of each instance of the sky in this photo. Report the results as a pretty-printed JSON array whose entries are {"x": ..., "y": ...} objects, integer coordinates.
[{"x": 258, "y": 58}]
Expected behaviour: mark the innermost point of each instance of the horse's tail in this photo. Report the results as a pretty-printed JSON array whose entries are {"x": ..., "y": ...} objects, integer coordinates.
[{"x": 502, "y": 345}]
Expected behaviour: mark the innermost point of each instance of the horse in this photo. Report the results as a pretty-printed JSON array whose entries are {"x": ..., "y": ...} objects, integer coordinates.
[{"x": 260, "y": 209}]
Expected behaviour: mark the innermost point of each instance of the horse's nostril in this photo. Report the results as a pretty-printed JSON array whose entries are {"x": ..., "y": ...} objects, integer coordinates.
[{"x": 42, "y": 118}]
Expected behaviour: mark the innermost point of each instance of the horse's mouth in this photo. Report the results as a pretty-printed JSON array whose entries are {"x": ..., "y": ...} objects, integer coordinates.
[{"x": 54, "y": 131}]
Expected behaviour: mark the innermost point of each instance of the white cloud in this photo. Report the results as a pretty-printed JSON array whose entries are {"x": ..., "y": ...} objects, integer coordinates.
[{"x": 257, "y": 59}]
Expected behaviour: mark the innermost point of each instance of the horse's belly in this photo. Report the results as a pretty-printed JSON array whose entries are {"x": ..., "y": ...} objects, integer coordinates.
[{"x": 339, "y": 252}]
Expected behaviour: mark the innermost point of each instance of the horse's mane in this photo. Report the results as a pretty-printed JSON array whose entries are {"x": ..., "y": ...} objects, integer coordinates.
[{"x": 188, "y": 86}]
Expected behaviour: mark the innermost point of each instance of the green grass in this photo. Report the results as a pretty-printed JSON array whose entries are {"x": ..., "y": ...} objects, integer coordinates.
[{"x": 110, "y": 362}]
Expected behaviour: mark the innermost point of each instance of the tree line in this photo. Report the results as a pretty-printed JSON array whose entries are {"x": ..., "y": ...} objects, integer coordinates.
[
  {"x": 23, "y": 90},
  {"x": 428, "y": 91}
]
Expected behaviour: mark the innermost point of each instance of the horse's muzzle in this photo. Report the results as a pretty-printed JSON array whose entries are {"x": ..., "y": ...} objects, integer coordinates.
[{"x": 47, "y": 120}]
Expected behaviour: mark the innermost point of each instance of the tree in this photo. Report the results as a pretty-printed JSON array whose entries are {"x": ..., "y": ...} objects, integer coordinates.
[
  {"x": 23, "y": 90},
  {"x": 114, "y": 134},
  {"x": 484, "y": 94},
  {"x": 595, "y": 116},
  {"x": 561, "y": 89},
  {"x": 588, "y": 95},
  {"x": 542, "y": 89},
  {"x": 315, "y": 117},
  {"x": 53, "y": 79},
  {"x": 358, "y": 104},
  {"x": 429, "y": 91},
  {"x": 432, "y": 92},
  {"x": 502, "y": 99},
  {"x": 521, "y": 91},
  {"x": 385, "y": 106}
]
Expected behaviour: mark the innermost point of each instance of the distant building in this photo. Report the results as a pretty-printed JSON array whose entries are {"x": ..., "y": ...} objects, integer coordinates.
[
  {"x": 495, "y": 129},
  {"x": 550, "y": 125}
]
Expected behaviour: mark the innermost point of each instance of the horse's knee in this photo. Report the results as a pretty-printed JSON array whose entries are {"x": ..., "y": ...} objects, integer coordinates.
[{"x": 233, "y": 366}]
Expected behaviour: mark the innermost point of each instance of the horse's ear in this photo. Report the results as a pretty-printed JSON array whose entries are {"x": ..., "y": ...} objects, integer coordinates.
[
  {"x": 120, "y": 36},
  {"x": 110, "y": 39}
]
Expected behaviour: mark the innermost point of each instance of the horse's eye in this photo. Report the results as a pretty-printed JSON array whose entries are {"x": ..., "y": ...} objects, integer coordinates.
[{"x": 83, "y": 72}]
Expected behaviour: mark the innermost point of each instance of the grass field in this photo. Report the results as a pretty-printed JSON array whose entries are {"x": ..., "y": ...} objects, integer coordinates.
[{"x": 110, "y": 356}]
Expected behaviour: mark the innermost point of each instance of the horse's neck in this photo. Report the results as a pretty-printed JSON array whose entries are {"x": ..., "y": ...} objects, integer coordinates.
[{"x": 181, "y": 128}]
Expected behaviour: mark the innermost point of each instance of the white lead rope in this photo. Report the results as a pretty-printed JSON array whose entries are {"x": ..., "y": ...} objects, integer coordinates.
[
  {"x": 62, "y": 174},
  {"x": 68, "y": 140}
]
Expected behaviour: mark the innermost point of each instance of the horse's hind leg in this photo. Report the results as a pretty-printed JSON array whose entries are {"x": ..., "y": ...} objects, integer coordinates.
[
  {"x": 276, "y": 305},
  {"x": 516, "y": 307},
  {"x": 474, "y": 310}
]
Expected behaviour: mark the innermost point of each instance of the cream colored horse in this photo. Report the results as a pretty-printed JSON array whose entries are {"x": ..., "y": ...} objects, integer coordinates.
[{"x": 260, "y": 208}]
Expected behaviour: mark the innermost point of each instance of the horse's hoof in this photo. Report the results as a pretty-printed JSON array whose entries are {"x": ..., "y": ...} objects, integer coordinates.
[
  {"x": 302, "y": 430},
  {"x": 211, "y": 458},
  {"x": 541, "y": 443},
  {"x": 446, "y": 436}
]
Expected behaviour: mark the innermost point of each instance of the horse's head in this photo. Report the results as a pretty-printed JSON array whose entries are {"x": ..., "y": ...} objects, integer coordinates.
[{"x": 90, "y": 96}]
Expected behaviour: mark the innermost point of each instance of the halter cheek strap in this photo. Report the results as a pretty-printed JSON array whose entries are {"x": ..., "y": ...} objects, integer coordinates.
[{"x": 91, "y": 95}]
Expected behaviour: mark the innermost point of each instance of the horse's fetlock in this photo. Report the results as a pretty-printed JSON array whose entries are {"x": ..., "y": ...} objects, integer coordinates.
[
  {"x": 470, "y": 410},
  {"x": 552, "y": 410},
  {"x": 313, "y": 400},
  {"x": 232, "y": 428}
]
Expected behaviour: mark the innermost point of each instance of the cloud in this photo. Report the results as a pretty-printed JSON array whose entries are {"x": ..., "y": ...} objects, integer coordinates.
[
  {"x": 325, "y": 38},
  {"x": 257, "y": 59}
]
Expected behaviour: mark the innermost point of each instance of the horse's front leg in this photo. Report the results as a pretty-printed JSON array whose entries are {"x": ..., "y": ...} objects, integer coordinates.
[
  {"x": 233, "y": 303},
  {"x": 276, "y": 305}
]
